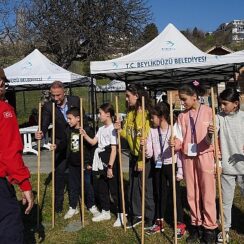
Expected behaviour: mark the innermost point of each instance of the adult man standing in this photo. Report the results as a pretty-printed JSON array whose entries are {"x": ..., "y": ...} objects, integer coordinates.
[
  {"x": 62, "y": 104},
  {"x": 12, "y": 171}
]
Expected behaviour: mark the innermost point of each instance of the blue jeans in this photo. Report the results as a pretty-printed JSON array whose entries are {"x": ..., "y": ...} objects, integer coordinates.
[{"x": 74, "y": 189}]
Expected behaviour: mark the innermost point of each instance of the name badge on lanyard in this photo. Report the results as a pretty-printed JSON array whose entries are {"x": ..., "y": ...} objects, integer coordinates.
[
  {"x": 159, "y": 161},
  {"x": 192, "y": 147}
]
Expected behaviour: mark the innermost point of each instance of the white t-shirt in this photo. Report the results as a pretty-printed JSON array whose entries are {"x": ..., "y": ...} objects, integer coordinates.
[{"x": 106, "y": 135}]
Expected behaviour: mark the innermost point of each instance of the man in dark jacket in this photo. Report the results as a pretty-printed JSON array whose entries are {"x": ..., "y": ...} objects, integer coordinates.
[
  {"x": 62, "y": 104},
  {"x": 12, "y": 171}
]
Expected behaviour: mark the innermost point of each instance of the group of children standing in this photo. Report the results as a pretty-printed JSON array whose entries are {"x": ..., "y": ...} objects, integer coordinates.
[{"x": 194, "y": 154}]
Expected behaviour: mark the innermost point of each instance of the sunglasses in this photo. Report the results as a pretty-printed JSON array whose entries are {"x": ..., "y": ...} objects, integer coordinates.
[{"x": 4, "y": 83}]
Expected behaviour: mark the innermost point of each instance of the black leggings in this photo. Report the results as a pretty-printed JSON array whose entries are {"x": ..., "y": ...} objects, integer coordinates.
[
  {"x": 163, "y": 181},
  {"x": 107, "y": 186}
]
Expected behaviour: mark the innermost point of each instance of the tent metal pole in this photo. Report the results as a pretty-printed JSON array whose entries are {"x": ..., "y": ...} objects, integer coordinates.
[
  {"x": 70, "y": 89},
  {"x": 24, "y": 102},
  {"x": 93, "y": 103}
]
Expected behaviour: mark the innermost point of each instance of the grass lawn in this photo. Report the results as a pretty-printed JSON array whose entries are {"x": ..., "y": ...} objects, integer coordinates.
[{"x": 103, "y": 232}]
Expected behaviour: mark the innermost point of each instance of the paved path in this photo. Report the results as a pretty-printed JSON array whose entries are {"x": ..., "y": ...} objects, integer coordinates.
[{"x": 31, "y": 161}]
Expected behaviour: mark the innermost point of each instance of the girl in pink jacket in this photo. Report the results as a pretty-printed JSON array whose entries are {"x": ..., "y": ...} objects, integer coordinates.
[
  {"x": 198, "y": 163},
  {"x": 157, "y": 147}
]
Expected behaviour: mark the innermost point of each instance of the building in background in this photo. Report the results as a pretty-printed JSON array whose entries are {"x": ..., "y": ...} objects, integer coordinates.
[{"x": 234, "y": 29}]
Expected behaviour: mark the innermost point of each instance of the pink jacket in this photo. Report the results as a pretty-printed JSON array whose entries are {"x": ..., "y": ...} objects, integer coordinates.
[
  {"x": 202, "y": 118},
  {"x": 153, "y": 149}
]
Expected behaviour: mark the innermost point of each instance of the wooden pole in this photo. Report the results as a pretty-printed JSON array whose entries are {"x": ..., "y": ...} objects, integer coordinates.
[
  {"x": 120, "y": 167},
  {"x": 53, "y": 166},
  {"x": 216, "y": 149},
  {"x": 38, "y": 166},
  {"x": 173, "y": 165},
  {"x": 82, "y": 168},
  {"x": 143, "y": 171}
]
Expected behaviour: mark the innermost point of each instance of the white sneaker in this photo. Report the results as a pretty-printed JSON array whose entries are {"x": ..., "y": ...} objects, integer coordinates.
[
  {"x": 71, "y": 212},
  {"x": 94, "y": 211},
  {"x": 220, "y": 237},
  {"x": 104, "y": 215},
  {"x": 119, "y": 221}
]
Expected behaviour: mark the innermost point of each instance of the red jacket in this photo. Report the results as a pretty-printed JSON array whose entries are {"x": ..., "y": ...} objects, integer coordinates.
[{"x": 11, "y": 162}]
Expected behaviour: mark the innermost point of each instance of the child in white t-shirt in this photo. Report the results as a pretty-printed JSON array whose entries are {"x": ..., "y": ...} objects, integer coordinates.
[{"x": 105, "y": 162}]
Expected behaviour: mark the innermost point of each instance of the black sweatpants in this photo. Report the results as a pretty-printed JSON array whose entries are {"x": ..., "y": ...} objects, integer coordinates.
[
  {"x": 163, "y": 185},
  {"x": 11, "y": 226},
  {"x": 107, "y": 186},
  {"x": 135, "y": 190},
  {"x": 75, "y": 187}
]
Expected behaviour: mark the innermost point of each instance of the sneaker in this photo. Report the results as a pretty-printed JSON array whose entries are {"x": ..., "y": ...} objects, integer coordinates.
[
  {"x": 181, "y": 230},
  {"x": 220, "y": 237},
  {"x": 94, "y": 211},
  {"x": 194, "y": 235},
  {"x": 104, "y": 215},
  {"x": 133, "y": 222},
  {"x": 71, "y": 212},
  {"x": 156, "y": 228},
  {"x": 119, "y": 221}
]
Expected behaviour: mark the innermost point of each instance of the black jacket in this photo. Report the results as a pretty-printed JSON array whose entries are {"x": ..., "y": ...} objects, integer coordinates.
[{"x": 60, "y": 122}]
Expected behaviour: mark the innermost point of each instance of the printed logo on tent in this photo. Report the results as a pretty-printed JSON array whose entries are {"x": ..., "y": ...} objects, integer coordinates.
[
  {"x": 27, "y": 65},
  {"x": 168, "y": 46}
]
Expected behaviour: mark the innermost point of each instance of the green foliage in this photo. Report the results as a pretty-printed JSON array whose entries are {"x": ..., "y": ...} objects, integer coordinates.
[{"x": 150, "y": 32}]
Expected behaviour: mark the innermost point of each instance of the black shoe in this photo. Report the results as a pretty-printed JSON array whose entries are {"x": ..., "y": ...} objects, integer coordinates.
[
  {"x": 134, "y": 221},
  {"x": 209, "y": 237},
  {"x": 148, "y": 224},
  {"x": 194, "y": 235},
  {"x": 58, "y": 209}
]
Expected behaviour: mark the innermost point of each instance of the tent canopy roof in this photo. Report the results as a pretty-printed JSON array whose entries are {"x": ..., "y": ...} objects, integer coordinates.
[
  {"x": 169, "y": 58},
  {"x": 36, "y": 71}
]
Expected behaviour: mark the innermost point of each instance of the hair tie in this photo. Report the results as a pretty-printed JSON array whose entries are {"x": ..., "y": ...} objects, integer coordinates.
[{"x": 195, "y": 83}]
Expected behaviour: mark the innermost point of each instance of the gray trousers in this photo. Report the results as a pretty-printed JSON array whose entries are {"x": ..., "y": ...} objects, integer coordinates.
[
  {"x": 135, "y": 190},
  {"x": 228, "y": 190}
]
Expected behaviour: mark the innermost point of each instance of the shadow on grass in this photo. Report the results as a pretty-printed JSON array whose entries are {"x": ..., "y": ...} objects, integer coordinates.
[
  {"x": 31, "y": 230},
  {"x": 237, "y": 220}
]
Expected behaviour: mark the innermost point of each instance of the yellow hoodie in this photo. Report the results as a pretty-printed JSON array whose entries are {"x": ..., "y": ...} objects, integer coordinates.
[{"x": 132, "y": 130}]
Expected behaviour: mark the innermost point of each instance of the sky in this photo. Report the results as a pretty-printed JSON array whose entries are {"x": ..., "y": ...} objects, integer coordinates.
[{"x": 206, "y": 15}]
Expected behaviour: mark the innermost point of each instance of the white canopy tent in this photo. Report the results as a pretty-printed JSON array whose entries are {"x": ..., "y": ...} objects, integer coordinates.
[
  {"x": 36, "y": 71},
  {"x": 169, "y": 59}
]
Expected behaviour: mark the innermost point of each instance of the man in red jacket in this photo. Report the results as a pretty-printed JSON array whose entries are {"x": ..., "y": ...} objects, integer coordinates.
[{"x": 12, "y": 171}]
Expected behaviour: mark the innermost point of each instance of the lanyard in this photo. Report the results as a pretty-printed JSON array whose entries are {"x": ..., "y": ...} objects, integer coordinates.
[
  {"x": 193, "y": 124},
  {"x": 160, "y": 140}
]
